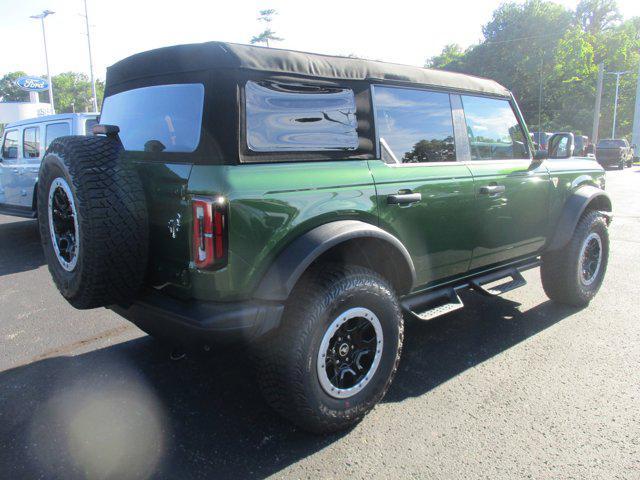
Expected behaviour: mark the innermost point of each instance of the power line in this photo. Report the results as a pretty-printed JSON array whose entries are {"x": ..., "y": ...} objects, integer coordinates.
[{"x": 490, "y": 42}]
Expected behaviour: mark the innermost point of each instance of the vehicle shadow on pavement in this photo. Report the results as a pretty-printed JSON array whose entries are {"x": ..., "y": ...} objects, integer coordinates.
[
  {"x": 20, "y": 248},
  {"x": 128, "y": 411}
]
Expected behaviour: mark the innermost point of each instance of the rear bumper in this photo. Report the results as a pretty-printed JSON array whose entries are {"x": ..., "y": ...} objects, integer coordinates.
[
  {"x": 199, "y": 324},
  {"x": 608, "y": 160}
]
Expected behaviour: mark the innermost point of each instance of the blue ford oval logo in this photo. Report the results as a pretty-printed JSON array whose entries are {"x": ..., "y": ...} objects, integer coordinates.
[{"x": 32, "y": 84}]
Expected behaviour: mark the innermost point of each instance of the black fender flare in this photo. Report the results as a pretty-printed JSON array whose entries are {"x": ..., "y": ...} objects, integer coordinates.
[
  {"x": 293, "y": 261},
  {"x": 574, "y": 207}
]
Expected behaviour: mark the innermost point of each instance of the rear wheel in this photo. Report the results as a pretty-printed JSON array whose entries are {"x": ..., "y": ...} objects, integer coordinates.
[
  {"x": 338, "y": 348},
  {"x": 573, "y": 275}
]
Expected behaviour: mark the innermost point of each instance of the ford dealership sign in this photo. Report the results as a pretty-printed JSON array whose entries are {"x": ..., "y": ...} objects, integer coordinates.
[{"x": 32, "y": 84}]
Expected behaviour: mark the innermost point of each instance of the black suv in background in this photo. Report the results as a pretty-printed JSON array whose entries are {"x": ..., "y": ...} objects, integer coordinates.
[{"x": 614, "y": 152}]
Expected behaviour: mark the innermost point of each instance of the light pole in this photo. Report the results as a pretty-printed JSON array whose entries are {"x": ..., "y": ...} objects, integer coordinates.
[
  {"x": 93, "y": 80},
  {"x": 41, "y": 17},
  {"x": 615, "y": 103}
]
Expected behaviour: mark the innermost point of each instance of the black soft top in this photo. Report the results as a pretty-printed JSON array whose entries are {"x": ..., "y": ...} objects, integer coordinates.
[{"x": 219, "y": 55}]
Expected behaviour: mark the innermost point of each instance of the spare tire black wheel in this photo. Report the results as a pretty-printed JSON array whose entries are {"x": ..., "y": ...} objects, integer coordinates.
[{"x": 93, "y": 221}]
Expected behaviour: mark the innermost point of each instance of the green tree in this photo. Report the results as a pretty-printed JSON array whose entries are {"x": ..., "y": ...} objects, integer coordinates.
[
  {"x": 72, "y": 92},
  {"x": 597, "y": 15},
  {"x": 9, "y": 91},
  {"x": 539, "y": 44},
  {"x": 266, "y": 16},
  {"x": 451, "y": 54}
]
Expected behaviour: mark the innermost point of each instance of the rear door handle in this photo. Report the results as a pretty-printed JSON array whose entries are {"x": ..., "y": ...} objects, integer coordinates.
[
  {"x": 403, "y": 198},
  {"x": 491, "y": 189}
]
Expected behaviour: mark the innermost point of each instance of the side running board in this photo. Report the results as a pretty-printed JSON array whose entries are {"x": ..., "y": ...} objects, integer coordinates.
[
  {"x": 516, "y": 280},
  {"x": 433, "y": 304}
]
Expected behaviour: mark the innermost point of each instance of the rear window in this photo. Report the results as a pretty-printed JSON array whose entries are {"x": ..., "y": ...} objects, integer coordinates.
[
  {"x": 31, "y": 142},
  {"x": 283, "y": 117},
  {"x": 55, "y": 130},
  {"x": 611, "y": 143},
  {"x": 162, "y": 118},
  {"x": 415, "y": 126}
]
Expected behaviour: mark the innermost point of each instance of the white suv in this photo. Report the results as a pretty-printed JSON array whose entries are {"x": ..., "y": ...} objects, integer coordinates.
[{"x": 22, "y": 151}]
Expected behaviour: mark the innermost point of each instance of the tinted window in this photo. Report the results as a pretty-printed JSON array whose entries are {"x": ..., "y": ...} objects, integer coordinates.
[
  {"x": 163, "y": 118},
  {"x": 493, "y": 129},
  {"x": 416, "y": 125},
  {"x": 88, "y": 125},
  {"x": 612, "y": 143},
  {"x": 10, "y": 145},
  {"x": 31, "y": 142},
  {"x": 54, "y": 131},
  {"x": 297, "y": 118}
]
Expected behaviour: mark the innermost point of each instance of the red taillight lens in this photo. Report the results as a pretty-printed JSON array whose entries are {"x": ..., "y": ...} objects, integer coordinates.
[{"x": 209, "y": 232}]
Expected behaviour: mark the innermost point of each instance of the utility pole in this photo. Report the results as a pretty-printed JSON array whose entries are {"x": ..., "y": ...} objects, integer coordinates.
[
  {"x": 596, "y": 113},
  {"x": 540, "y": 105},
  {"x": 635, "y": 137},
  {"x": 93, "y": 80},
  {"x": 615, "y": 103},
  {"x": 41, "y": 17}
]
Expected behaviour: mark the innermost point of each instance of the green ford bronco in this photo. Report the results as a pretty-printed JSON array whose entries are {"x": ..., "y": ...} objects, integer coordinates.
[{"x": 304, "y": 205}]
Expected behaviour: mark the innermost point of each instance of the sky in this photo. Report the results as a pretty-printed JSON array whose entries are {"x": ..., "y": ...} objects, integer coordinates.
[{"x": 402, "y": 31}]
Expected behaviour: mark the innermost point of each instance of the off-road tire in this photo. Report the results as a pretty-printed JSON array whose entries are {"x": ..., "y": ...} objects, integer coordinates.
[
  {"x": 561, "y": 278},
  {"x": 111, "y": 216},
  {"x": 286, "y": 359}
]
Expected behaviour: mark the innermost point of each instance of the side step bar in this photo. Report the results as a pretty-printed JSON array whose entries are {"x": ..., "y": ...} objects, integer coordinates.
[
  {"x": 443, "y": 300},
  {"x": 433, "y": 304},
  {"x": 517, "y": 280}
]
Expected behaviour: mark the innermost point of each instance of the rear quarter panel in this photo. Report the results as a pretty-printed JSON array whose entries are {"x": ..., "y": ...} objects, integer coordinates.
[{"x": 269, "y": 206}]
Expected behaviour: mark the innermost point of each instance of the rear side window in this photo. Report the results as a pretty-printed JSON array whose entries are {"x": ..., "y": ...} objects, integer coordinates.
[
  {"x": 162, "y": 118},
  {"x": 299, "y": 118},
  {"x": 612, "y": 143},
  {"x": 31, "y": 142},
  {"x": 415, "y": 125},
  {"x": 493, "y": 129},
  {"x": 10, "y": 145},
  {"x": 55, "y": 130}
]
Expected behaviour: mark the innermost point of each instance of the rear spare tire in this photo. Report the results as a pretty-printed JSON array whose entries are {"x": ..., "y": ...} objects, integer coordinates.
[{"x": 93, "y": 221}]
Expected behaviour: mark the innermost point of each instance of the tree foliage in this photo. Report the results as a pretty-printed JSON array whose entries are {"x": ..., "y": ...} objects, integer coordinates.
[
  {"x": 9, "y": 91},
  {"x": 542, "y": 45},
  {"x": 267, "y": 35}
]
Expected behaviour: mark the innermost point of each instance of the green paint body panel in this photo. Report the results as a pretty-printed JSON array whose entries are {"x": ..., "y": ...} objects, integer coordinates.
[{"x": 452, "y": 230}]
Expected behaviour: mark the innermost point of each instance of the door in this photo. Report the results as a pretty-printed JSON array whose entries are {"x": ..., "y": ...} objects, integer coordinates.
[
  {"x": 424, "y": 196},
  {"x": 9, "y": 167},
  {"x": 28, "y": 166},
  {"x": 511, "y": 197}
]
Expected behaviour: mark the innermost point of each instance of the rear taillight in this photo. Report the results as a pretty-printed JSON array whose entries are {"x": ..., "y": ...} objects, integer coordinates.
[{"x": 209, "y": 232}]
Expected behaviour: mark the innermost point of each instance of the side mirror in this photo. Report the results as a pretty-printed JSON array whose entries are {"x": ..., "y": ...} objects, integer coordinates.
[{"x": 561, "y": 145}]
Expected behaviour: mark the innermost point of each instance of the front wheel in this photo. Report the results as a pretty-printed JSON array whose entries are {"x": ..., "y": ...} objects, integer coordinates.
[
  {"x": 573, "y": 275},
  {"x": 335, "y": 355}
]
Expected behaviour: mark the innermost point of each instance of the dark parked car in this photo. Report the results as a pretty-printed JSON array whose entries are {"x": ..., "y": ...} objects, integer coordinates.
[
  {"x": 614, "y": 152},
  {"x": 541, "y": 139},
  {"x": 582, "y": 146},
  {"x": 305, "y": 205}
]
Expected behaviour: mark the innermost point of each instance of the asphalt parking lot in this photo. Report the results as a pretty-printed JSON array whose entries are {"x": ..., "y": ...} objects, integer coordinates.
[{"x": 507, "y": 388}]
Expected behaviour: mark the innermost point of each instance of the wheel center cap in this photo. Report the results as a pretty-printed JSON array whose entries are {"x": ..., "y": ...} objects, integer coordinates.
[{"x": 343, "y": 350}]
